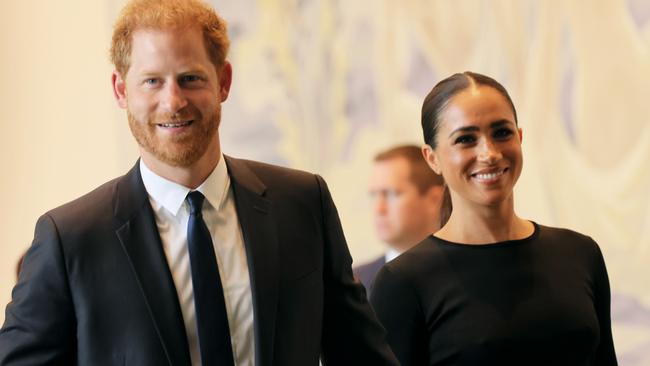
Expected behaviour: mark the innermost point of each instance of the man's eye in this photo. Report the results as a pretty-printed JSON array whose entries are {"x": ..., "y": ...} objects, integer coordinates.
[
  {"x": 151, "y": 81},
  {"x": 190, "y": 78},
  {"x": 464, "y": 139},
  {"x": 392, "y": 194}
]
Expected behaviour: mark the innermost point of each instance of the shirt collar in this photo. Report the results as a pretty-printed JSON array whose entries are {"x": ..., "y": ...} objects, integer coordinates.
[
  {"x": 392, "y": 254},
  {"x": 171, "y": 195}
]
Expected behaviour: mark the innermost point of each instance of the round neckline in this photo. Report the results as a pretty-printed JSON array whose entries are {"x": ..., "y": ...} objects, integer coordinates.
[{"x": 498, "y": 244}]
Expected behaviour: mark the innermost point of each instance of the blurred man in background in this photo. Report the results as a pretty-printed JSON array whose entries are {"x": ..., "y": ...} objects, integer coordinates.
[{"x": 406, "y": 196}]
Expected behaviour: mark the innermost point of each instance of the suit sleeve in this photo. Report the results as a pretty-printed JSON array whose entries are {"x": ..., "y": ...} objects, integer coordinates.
[
  {"x": 605, "y": 354},
  {"x": 399, "y": 310},
  {"x": 352, "y": 335},
  {"x": 40, "y": 325}
]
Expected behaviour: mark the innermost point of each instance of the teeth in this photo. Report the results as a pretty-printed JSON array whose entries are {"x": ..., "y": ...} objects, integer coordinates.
[
  {"x": 488, "y": 176},
  {"x": 170, "y": 125}
]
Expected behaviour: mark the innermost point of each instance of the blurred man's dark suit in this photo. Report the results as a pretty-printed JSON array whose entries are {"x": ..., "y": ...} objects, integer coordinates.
[
  {"x": 366, "y": 272},
  {"x": 95, "y": 288}
]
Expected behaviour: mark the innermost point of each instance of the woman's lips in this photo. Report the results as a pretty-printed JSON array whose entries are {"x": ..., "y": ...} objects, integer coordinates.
[{"x": 489, "y": 176}]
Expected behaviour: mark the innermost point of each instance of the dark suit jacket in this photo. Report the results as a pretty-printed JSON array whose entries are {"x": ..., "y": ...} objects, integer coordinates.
[
  {"x": 95, "y": 288},
  {"x": 366, "y": 272}
]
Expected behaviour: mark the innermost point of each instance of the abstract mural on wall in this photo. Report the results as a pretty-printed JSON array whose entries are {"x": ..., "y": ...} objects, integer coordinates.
[{"x": 324, "y": 84}]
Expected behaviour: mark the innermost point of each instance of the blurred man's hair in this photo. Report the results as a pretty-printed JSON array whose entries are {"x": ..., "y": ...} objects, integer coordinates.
[{"x": 421, "y": 174}]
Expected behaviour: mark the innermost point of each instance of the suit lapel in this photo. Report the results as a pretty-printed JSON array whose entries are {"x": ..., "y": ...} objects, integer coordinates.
[
  {"x": 261, "y": 242},
  {"x": 141, "y": 243}
]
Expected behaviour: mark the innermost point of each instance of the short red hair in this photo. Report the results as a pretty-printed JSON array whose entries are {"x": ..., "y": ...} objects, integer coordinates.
[{"x": 168, "y": 14}]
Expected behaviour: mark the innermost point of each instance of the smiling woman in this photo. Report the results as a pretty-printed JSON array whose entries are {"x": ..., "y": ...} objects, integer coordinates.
[
  {"x": 489, "y": 287},
  {"x": 479, "y": 148}
]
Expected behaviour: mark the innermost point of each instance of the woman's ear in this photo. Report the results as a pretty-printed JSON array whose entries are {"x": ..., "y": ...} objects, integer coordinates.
[{"x": 431, "y": 158}]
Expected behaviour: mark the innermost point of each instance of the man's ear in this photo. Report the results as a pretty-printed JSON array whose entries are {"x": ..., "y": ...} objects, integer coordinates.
[
  {"x": 521, "y": 135},
  {"x": 431, "y": 158},
  {"x": 225, "y": 80},
  {"x": 119, "y": 89},
  {"x": 432, "y": 195}
]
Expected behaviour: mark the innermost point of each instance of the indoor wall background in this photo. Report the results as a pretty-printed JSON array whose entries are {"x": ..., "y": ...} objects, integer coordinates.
[{"x": 323, "y": 85}]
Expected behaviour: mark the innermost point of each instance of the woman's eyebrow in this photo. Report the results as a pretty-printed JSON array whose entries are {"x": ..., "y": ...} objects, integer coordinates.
[
  {"x": 500, "y": 123},
  {"x": 464, "y": 129}
]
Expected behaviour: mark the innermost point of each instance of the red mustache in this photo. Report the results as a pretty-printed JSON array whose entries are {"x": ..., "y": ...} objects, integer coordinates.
[{"x": 178, "y": 117}]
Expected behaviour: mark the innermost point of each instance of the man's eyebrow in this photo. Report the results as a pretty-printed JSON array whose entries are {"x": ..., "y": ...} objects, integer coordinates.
[{"x": 196, "y": 68}]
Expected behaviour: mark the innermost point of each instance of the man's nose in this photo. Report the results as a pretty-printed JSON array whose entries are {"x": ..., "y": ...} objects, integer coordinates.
[
  {"x": 173, "y": 98},
  {"x": 380, "y": 205}
]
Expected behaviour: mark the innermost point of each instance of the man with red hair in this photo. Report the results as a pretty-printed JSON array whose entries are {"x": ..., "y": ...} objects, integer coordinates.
[{"x": 193, "y": 257}]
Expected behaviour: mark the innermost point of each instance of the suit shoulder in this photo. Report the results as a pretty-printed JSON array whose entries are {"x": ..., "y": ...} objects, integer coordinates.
[
  {"x": 271, "y": 172},
  {"x": 96, "y": 205},
  {"x": 375, "y": 263},
  {"x": 369, "y": 269},
  {"x": 279, "y": 182}
]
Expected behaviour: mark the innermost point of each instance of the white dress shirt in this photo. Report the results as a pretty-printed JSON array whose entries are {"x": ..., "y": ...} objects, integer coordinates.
[
  {"x": 172, "y": 214},
  {"x": 392, "y": 254}
]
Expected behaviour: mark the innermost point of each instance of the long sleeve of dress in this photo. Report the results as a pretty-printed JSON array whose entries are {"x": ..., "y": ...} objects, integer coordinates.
[
  {"x": 605, "y": 354},
  {"x": 397, "y": 306}
]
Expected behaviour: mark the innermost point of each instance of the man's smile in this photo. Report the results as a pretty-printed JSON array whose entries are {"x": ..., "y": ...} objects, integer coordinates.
[{"x": 175, "y": 124}]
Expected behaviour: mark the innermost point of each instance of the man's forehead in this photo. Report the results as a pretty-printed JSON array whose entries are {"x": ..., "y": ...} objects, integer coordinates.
[
  {"x": 394, "y": 165},
  {"x": 394, "y": 171},
  {"x": 155, "y": 48}
]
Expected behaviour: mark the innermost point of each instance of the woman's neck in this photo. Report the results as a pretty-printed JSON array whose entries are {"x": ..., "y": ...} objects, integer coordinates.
[{"x": 473, "y": 224}]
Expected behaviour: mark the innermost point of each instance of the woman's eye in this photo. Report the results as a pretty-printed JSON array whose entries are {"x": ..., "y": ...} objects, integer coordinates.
[
  {"x": 151, "y": 81},
  {"x": 503, "y": 133},
  {"x": 464, "y": 139}
]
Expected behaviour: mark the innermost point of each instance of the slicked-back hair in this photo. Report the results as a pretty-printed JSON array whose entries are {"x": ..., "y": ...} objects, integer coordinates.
[{"x": 438, "y": 99}]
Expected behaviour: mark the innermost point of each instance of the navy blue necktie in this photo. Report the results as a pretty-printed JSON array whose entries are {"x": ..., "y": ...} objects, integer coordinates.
[{"x": 211, "y": 316}]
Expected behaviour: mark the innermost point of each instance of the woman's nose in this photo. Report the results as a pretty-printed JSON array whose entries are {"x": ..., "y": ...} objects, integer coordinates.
[{"x": 489, "y": 152}]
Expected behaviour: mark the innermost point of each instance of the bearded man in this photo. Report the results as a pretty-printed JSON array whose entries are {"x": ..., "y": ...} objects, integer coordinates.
[{"x": 192, "y": 257}]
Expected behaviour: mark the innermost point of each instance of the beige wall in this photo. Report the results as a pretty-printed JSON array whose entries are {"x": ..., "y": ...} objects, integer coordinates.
[{"x": 60, "y": 126}]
